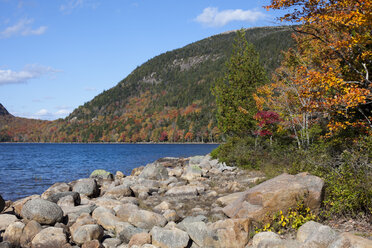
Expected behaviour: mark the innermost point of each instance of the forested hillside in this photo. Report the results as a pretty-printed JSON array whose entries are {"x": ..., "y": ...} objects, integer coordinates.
[{"x": 168, "y": 98}]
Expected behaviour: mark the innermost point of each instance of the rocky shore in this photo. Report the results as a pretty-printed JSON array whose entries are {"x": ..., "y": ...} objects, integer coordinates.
[{"x": 173, "y": 202}]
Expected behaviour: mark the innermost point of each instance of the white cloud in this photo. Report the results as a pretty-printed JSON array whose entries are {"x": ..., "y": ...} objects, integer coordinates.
[
  {"x": 29, "y": 72},
  {"x": 22, "y": 27},
  {"x": 70, "y": 5},
  {"x": 44, "y": 114},
  {"x": 212, "y": 17}
]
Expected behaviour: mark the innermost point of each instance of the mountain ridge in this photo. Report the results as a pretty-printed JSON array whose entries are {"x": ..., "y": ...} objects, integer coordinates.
[{"x": 167, "y": 98}]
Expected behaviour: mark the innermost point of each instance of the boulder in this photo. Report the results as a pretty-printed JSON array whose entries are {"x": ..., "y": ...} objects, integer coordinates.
[
  {"x": 5, "y": 244},
  {"x": 101, "y": 174},
  {"x": 146, "y": 220},
  {"x": 228, "y": 199},
  {"x": 198, "y": 232},
  {"x": 106, "y": 218},
  {"x": 13, "y": 233},
  {"x": 123, "y": 212},
  {"x": 86, "y": 186},
  {"x": 49, "y": 237},
  {"x": 107, "y": 202},
  {"x": 125, "y": 231},
  {"x": 171, "y": 215},
  {"x": 42, "y": 211},
  {"x": 191, "y": 219},
  {"x": 29, "y": 232},
  {"x": 86, "y": 233},
  {"x": 18, "y": 205},
  {"x": 192, "y": 172},
  {"x": 6, "y": 220},
  {"x": 154, "y": 171},
  {"x": 264, "y": 237},
  {"x": 137, "y": 171},
  {"x": 166, "y": 238},
  {"x": 232, "y": 233},
  {"x": 119, "y": 192},
  {"x": 350, "y": 240},
  {"x": 140, "y": 239},
  {"x": 57, "y": 196},
  {"x": 111, "y": 242},
  {"x": 119, "y": 175},
  {"x": 78, "y": 210},
  {"x": 55, "y": 188},
  {"x": 182, "y": 191},
  {"x": 2, "y": 204},
  {"x": 279, "y": 193},
  {"x": 314, "y": 234},
  {"x": 196, "y": 160},
  {"x": 162, "y": 206},
  {"x": 83, "y": 219},
  {"x": 92, "y": 244}
]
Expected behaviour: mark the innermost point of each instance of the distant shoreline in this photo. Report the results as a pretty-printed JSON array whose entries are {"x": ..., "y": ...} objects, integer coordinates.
[{"x": 119, "y": 143}]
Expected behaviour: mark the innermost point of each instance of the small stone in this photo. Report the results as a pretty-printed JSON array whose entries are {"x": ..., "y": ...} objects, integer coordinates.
[
  {"x": 111, "y": 243},
  {"x": 171, "y": 215},
  {"x": 162, "y": 206}
]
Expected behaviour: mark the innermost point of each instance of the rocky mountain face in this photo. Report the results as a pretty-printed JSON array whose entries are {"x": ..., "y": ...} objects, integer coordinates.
[{"x": 3, "y": 111}]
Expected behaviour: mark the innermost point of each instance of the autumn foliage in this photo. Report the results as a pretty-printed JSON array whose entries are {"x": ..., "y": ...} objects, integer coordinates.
[{"x": 327, "y": 75}]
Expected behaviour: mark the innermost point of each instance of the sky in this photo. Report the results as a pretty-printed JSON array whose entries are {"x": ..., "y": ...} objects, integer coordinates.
[{"x": 57, "y": 55}]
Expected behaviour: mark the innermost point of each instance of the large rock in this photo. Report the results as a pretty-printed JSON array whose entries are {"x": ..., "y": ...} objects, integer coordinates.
[
  {"x": 279, "y": 193},
  {"x": 86, "y": 186},
  {"x": 49, "y": 237},
  {"x": 227, "y": 199},
  {"x": 83, "y": 219},
  {"x": 314, "y": 234},
  {"x": 183, "y": 191},
  {"x": 140, "y": 239},
  {"x": 126, "y": 231},
  {"x": 86, "y": 233},
  {"x": 42, "y": 211},
  {"x": 192, "y": 172},
  {"x": 198, "y": 231},
  {"x": 166, "y": 238},
  {"x": 57, "y": 196},
  {"x": 6, "y": 220},
  {"x": 146, "y": 220},
  {"x": 232, "y": 233},
  {"x": 55, "y": 188},
  {"x": 106, "y": 218},
  {"x": 154, "y": 171},
  {"x": 2, "y": 204},
  {"x": 13, "y": 233},
  {"x": 123, "y": 212},
  {"x": 119, "y": 192},
  {"x": 349, "y": 240},
  {"x": 18, "y": 205},
  {"x": 101, "y": 174},
  {"x": 29, "y": 232}
]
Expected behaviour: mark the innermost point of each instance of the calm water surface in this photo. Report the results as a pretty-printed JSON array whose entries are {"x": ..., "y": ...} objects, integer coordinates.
[{"x": 27, "y": 169}]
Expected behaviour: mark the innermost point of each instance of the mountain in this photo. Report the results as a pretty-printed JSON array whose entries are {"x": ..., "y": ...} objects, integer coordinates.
[
  {"x": 3, "y": 111},
  {"x": 167, "y": 98}
]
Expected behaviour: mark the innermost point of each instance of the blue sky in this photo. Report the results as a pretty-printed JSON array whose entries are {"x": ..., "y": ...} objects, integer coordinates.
[{"x": 57, "y": 55}]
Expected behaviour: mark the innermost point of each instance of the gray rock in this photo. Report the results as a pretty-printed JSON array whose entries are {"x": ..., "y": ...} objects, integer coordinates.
[
  {"x": 86, "y": 186},
  {"x": 125, "y": 231},
  {"x": 57, "y": 196},
  {"x": 119, "y": 192},
  {"x": 87, "y": 233},
  {"x": 183, "y": 191},
  {"x": 13, "y": 233},
  {"x": 5, "y": 244},
  {"x": 279, "y": 193},
  {"x": 154, "y": 171},
  {"x": 2, "y": 204},
  {"x": 29, "y": 232},
  {"x": 124, "y": 211},
  {"x": 146, "y": 220},
  {"x": 171, "y": 215},
  {"x": 49, "y": 237},
  {"x": 314, "y": 234},
  {"x": 195, "y": 160},
  {"x": 191, "y": 219},
  {"x": 42, "y": 211},
  {"x": 101, "y": 174},
  {"x": 55, "y": 188},
  {"x": 198, "y": 231},
  {"x": 78, "y": 210},
  {"x": 259, "y": 237},
  {"x": 106, "y": 218},
  {"x": 166, "y": 238},
  {"x": 352, "y": 241},
  {"x": 6, "y": 220},
  {"x": 111, "y": 242}
]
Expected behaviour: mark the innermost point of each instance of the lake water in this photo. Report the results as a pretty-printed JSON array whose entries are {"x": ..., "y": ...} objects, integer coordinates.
[{"x": 27, "y": 169}]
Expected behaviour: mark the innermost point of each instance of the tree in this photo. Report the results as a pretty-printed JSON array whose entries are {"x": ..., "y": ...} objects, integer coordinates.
[
  {"x": 234, "y": 91},
  {"x": 334, "y": 44}
]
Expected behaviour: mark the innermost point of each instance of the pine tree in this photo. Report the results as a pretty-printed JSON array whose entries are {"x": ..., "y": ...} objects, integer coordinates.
[{"x": 234, "y": 92}]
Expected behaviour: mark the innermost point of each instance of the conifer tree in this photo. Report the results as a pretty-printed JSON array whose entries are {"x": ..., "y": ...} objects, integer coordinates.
[{"x": 234, "y": 92}]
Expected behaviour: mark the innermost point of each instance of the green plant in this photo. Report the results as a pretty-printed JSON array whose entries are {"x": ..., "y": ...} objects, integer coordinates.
[{"x": 292, "y": 220}]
